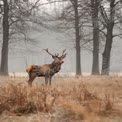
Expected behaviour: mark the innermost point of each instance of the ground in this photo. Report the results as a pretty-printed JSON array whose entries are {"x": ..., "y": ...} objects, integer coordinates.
[{"x": 81, "y": 99}]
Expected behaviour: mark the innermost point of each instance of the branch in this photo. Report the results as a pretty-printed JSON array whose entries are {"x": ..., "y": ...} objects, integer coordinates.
[
  {"x": 103, "y": 32},
  {"x": 104, "y": 15},
  {"x": 1, "y": 8},
  {"x": 118, "y": 35},
  {"x": 117, "y": 3},
  {"x": 87, "y": 42},
  {"x": 14, "y": 21}
]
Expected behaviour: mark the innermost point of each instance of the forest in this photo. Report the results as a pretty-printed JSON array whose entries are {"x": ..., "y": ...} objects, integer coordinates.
[
  {"x": 91, "y": 23},
  {"x": 76, "y": 25}
]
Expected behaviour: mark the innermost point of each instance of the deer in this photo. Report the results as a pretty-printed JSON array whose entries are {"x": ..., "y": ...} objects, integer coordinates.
[{"x": 46, "y": 70}]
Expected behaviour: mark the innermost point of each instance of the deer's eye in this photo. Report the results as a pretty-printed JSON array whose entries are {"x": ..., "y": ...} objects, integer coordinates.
[{"x": 62, "y": 62}]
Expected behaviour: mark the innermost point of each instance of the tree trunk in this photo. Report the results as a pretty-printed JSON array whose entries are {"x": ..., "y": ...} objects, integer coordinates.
[
  {"x": 4, "y": 54},
  {"x": 95, "y": 10},
  {"x": 107, "y": 50},
  {"x": 78, "y": 63},
  {"x": 77, "y": 35},
  {"x": 109, "y": 38}
]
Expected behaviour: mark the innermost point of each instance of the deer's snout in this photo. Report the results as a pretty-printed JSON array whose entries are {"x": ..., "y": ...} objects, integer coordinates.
[{"x": 61, "y": 62}]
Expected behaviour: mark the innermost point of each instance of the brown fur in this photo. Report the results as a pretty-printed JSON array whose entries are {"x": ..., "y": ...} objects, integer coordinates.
[
  {"x": 28, "y": 69},
  {"x": 46, "y": 70}
]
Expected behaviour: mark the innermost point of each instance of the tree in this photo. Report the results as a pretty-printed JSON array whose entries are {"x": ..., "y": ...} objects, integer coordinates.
[
  {"x": 82, "y": 16},
  {"x": 4, "y": 55},
  {"x": 95, "y": 23},
  {"x": 77, "y": 35},
  {"x": 105, "y": 26},
  {"x": 14, "y": 14},
  {"x": 111, "y": 19},
  {"x": 70, "y": 20}
]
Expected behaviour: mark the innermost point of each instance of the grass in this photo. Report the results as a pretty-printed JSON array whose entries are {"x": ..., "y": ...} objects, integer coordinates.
[
  {"x": 18, "y": 98},
  {"x": 91, "y": 98}
]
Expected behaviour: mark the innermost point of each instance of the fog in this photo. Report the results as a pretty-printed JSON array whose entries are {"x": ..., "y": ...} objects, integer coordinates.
[{"x": 27, "y": 53}]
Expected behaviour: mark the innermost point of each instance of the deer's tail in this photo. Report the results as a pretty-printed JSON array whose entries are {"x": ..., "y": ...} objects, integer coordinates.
[{"x": 28, "y": 69}]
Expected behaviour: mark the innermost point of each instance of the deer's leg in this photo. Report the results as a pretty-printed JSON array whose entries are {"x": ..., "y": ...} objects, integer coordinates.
[
  {"x": 50, "y": 78},
  {"x": 46, "y": 80},
  {"x": 32, "y": 76}
]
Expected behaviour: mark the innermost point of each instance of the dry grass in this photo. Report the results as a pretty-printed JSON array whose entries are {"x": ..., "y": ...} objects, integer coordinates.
[
  {"x": 71, "y": 100},
  {"x": 19, "y": 98}
]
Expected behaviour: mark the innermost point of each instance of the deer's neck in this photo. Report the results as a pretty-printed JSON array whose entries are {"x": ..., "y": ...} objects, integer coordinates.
[{"x": 52, "y": 65}]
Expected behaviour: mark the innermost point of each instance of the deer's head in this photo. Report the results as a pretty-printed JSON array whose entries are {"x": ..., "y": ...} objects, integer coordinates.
[{"x": 58, "y": 60}]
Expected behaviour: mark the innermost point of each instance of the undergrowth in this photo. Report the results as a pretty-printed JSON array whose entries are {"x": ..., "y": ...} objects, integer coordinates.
[
  {"x": 76, "y": 101},
  {"x": 19, "y": 98}
]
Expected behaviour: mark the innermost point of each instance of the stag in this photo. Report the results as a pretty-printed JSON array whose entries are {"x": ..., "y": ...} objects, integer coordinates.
[{"x": 46, "y": 70}]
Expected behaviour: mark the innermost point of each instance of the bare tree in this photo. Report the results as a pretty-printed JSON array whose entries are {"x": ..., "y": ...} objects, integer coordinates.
[
  {"x": 4, "y": 55},
  {"x": 14, "y": 16},
  {"x": 95, "y": 23},
  {"x": 103, "y": 21},
  {"x": 70, "y": 21},
  {"x": 111, "y": 19},
  {"x": 85, "y": 19},
  {"x": 77, "y": 35}
]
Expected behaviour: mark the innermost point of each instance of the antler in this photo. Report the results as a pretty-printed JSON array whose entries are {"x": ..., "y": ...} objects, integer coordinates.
[
  {"x": 63, "y": 51},
  {"x": 63, "y": 54},
  {"x": 48, "y": 52},
  {"x": 53, "y": 56},
  {"x": 56, "y": 55}
]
